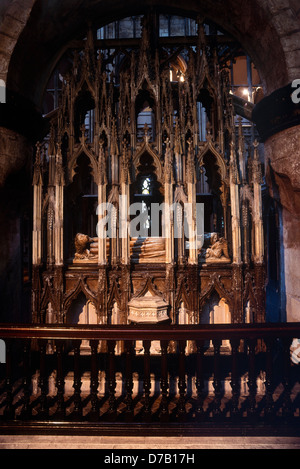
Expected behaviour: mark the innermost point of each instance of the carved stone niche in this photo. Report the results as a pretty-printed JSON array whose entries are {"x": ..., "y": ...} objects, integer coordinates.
[{"x": 148, "y": 309}]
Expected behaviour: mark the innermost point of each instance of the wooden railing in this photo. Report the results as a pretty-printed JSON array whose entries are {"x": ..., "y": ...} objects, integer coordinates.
[{"x": 192, "y": 379}]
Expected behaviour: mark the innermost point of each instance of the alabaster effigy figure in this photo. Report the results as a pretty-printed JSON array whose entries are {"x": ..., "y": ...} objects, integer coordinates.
[
  {"x": 218, "y": 251},
  {"x": 148, "y": 250},
  {"x": 82, "y": 243}
]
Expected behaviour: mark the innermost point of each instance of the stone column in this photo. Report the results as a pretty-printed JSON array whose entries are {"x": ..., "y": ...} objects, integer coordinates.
[
  {"x": 59, "y": 222},
  {"x": 124, "y": 206},
  {"x": 259, "y": 247},
  {"x": 51, "y": 211},
  {"x": 102, "y": 257},
  {"x": 237, "y": 276},
  {"x": 178, "y": 155},
  {"x": 169, "y": 224},
  {"x": 59, "y": 210},
  {"x": 282, "y": 159},
  {"x": 37, "y": 210},
  {"x": 259, "y": 243},
  {"x": 235, "y": 208},
  {"x": 191, "y": 190},
  {"x": 179, "y": 192},
  {"x": 278, "y": 123},
  {"x": 102, "y": 183},
  {"x": 113, "y": 198}
]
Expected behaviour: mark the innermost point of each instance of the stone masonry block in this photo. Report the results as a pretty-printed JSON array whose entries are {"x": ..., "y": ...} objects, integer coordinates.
[
  {"x": 286, "y": 22},
  {"x": 275, "y": 6},
  {"x": 293, "y": 58}
]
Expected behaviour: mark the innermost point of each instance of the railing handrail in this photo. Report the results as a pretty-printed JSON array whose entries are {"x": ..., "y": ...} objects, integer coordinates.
[{"x": 150, "y": 332}]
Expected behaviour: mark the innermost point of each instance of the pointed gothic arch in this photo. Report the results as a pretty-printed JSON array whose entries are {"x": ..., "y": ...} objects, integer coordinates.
[
  {"x": 215, "y": 286},
  {"x": 144, "y": 150},
  {"x": 209, "y": 148},
  {"x": 80, "y": 287},
  {"x": 82, "y": 150},
  {"x": 182, "y": 296}
]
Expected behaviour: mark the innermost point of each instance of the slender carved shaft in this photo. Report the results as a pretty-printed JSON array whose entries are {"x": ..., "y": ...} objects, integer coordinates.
[
  {"x": 235, "y": 384},
  {"x": 26, "y": 412},
  {"x": 60, "y": 383},
  {"x": 269, "y": 408},
  {"x": 111, "y": 380},
  {"x": 77, "y": 413},
  {"x": 147, "y": 380},
  {"x": 164, "y": 410},
  {"x": 200, "y": 380},
  {"x": 43, "y": 382},
  {"x": 94, "y": 414},
  {"x": 252, "y": 385},
  {"x": 182, "y": 381},
  {"x": 217, "y": 380},
  {"x": 129, "y": 381}
]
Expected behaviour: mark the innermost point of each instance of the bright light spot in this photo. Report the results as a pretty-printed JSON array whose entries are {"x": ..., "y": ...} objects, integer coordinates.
[{"x": 146, "y": 186}]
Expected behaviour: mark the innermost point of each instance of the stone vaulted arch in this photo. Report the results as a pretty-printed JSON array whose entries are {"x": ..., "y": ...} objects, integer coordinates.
[{"x": 255, "y": 24}]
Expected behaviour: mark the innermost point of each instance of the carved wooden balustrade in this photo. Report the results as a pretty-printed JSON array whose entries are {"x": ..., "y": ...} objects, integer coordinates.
[{"x": 230, "y": 374}]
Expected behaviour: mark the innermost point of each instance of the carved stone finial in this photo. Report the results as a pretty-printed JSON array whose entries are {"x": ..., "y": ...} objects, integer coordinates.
[
  {"x": 83, "y": 134},
  {"x": 101, "y": 144},
  {"x": 208, "y": 131},
  {"x": 102, "y": 178},
  {"x": 168, "y": 163},
  {"x": 125, "y": 163},
  {"x": 38, "y": 150},
  {"x": 178, "y": 143},
  {"x": 146, "y": 132},
  {"x": 51, "y": 147},
  {"x": 190, "y": 143},
  {"x": 256, "y": 165},
  {"x": 255, "y": 145},
  {"x": 114, "y": 138},
  {"x": 190, "y": 164},
  {"x": 59, "y": 170},
  {"x": 234, "y": 173},
  {"x": 37, "y": 175}
]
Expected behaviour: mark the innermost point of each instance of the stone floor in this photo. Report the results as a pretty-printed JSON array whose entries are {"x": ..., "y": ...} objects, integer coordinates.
[{"x": 146, "y": 443}]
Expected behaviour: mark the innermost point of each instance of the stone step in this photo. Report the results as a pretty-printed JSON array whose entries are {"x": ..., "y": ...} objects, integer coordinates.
[{"x": 145, "y": 443}]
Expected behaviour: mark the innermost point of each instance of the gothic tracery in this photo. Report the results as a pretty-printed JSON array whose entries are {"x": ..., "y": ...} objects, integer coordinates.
[{"x": 144, "y": 142}]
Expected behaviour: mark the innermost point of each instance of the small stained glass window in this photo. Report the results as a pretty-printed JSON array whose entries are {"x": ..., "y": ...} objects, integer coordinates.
[{"x": 146, "y": 186}]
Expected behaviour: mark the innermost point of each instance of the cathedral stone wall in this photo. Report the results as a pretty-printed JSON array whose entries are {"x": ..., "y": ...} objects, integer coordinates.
[{"x": 15, "y": 199}]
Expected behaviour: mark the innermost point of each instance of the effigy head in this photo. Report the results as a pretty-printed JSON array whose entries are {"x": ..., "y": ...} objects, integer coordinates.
[{"x": 81, "y": 245}]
